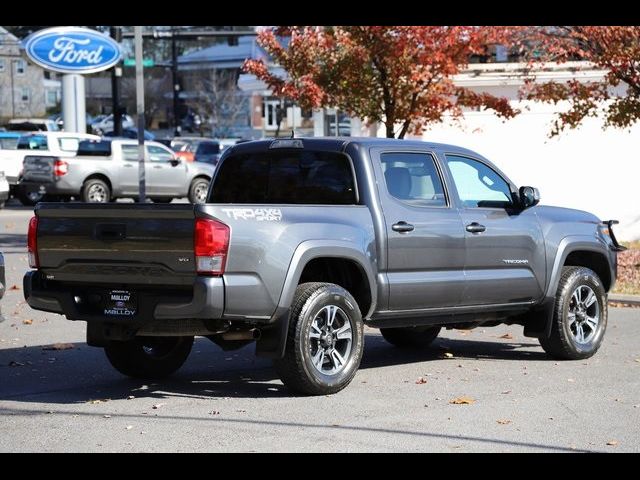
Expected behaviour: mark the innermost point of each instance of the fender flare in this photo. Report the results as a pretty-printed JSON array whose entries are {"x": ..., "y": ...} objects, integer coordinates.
[{"x": 273, "y": 338}]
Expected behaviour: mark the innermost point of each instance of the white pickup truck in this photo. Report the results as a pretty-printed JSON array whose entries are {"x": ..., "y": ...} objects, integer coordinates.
[{"x": 59, "y": 144}]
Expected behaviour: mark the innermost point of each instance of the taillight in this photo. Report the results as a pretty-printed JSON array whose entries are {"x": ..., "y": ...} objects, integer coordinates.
[
  {"x": 32, "y": 243},
  {"x": 60, "y": 167},
  {"x": 210, "y": 245}
]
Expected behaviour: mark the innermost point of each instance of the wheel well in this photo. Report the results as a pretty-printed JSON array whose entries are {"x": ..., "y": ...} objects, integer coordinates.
[
  {"x": 341, "y": 271},
  {"x": 593, "y": 260},
  {"x": 201, "y": 176},
  {"x": 98, "y": 176}
]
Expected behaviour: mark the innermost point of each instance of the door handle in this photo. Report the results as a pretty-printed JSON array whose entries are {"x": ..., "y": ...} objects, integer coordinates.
[
  {"x": 402, "y": 227},
  {"x": 475, "y": 227},
  {"x": 157, "y": 166},
  {"x": 127, "y": 165}
]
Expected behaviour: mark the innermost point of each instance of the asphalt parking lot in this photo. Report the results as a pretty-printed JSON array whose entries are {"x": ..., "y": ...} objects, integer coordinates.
[{"x": 486, "y": 390}]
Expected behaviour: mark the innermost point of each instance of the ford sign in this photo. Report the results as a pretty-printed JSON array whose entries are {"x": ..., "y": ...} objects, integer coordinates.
[{"x": 72, "y": 50}]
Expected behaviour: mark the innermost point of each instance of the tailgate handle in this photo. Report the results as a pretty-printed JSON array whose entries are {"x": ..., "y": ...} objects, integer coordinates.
[{"x": 110, "y": 231}]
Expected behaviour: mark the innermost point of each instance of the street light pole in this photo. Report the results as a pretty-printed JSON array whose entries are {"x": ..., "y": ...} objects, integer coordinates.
[
  {"x": 140, "y": 108},
  {"x": 176, "y": 85},
  {"x": 116, "y": 71}
]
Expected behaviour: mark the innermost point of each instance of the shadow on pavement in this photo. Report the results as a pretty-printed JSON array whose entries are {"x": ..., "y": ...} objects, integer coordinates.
[{"x": 82, "y": 373}]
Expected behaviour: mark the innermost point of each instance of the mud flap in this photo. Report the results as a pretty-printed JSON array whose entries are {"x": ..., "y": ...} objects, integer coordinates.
[{"x": 273, "y": 337}]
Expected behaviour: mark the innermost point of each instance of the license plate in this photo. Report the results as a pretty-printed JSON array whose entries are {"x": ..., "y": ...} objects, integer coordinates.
[{"x": 120, "y": 303}]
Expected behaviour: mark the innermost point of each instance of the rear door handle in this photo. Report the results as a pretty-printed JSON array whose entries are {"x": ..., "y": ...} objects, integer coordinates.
[
  {"x": 402, "y": 227},
  {"x": 157, "y": 166},
  {"x": 475, "y": 227}
]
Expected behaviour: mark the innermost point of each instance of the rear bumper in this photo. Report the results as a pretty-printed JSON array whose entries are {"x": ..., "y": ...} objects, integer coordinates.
[
  {"x": 50, "y": 188},
  {"x": 205, "y": 300}
]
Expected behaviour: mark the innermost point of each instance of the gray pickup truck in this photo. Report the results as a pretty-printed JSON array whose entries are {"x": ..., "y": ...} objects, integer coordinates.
[
  {"x": 302, "y": 242},
  {"x": 104, "y": 170}
]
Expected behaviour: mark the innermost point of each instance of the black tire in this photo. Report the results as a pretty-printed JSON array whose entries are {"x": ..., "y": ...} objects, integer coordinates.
[
  {"x": 95, "y": 190},
  {"x": 311, "y": 306},
  {"x": 563, "y": 342},
  {"x": 410, "y": 337},
  {"x": 198, "y": 190},
  {"x": 1, "y": 204},
  {"x": 149, "y": 357},
  {"x": 162, "y": 200},
  {"x": 29, "y": 199}
]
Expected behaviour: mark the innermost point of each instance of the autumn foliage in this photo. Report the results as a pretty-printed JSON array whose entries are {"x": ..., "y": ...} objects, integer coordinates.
[
  {"x": 401, "y": 76},
  {"x": 614, "y": 49}
]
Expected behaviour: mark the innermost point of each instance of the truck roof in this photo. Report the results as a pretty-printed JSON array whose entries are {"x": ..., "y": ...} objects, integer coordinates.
[{"x": 340, "y": 143}]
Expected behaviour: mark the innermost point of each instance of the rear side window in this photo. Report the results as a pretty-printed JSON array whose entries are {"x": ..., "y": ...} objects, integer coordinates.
[
  {"x": 33, "y": 142},
  {"x": 413, "y": 178},
  {"x": 68, "y": 144},
  {"x": 285, "y": 177},
  {"x": 91, "y": 148}
]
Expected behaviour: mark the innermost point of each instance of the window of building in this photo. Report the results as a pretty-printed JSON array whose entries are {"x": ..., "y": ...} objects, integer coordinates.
[
  {"x": 271, "y": 114},
  {"x": 413, "y": 178},
  {"x": 25, "y": 94},
  {"x": 1, "y": 64},
  {"x": 21, "y": 67}
]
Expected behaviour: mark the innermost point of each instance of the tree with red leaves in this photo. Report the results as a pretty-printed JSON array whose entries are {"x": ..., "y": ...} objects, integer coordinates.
[
  {"x": 399, "y": 75},
  {"x": 613, "y": 49}
]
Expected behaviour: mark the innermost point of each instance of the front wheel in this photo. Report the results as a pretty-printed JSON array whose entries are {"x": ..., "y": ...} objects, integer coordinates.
[
  {"x": 579, "y": 318},
  {"x": 325, "y": 340},
  {"x": 198, "y": 190},
  {"x": 149, "y": 357}
]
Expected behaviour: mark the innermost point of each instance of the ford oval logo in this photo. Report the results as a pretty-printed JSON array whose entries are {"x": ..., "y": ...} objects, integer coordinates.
[{"x": 72, "y": 50}]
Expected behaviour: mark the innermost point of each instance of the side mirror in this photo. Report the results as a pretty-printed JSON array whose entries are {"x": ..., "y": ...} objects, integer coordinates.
[
  {"x": 529, "y": 196},
  {"x": 175, "y": 161}
]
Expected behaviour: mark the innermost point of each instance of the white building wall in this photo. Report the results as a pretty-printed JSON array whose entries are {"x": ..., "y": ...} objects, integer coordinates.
[{"x": 588, "y": 168}]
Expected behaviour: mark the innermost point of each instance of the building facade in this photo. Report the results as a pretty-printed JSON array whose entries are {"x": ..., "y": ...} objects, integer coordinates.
[{"x": 24, "y": 90}]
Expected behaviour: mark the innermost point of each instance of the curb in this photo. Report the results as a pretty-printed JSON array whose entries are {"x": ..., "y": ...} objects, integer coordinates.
[{"x": 628, "y": 299}]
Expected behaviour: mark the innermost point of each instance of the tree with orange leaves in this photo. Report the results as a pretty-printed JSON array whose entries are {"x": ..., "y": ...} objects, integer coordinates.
[
  {"x": 399, "y": 75},
  {"x": 614, "y": 49}
]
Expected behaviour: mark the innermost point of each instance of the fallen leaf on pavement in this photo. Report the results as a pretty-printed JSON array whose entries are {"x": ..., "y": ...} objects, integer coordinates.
[
  {"x": 27, "y": 322},
  {"x": 464, "y": 400},
  {"x": 214, "y": 412},
  {"x": 448, "y": 355},
  {"x": 612, "y": 443},
  {"x": 506, "y": 392},
  {"x": 13, "y": 363},
  {"x": 157, "y": 406},
  {"x": 506, "y": 336},
  {"x": 130, "y": 397},
  {"x": 59, "y": 346},
  {"x": 503, "y": 422},
  {"x": 570, "y": 380},
  {"x": 106, "y": 416},
  {"x": 637, "y": 360},
  {"x": 14, "y": 287},
  {"x": 129, "y": 427},
  {"x": 421, "y": 381},
  {"x": 98, "y": 400}
]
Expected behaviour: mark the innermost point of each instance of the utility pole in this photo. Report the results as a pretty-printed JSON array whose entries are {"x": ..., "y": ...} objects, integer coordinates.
[
  {"x": 116, "y": 71},
  {"x": 140, "y": 108},
  {"x": 176, "y": 85}
]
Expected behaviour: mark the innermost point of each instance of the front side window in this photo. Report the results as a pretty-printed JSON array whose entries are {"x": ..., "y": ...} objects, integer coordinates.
[
  {"x": 413, "y": 178},
  {"x": 478, "y": 185},
  {"x": 285, "y": 177},
  {"x": 158, "y": 154}
]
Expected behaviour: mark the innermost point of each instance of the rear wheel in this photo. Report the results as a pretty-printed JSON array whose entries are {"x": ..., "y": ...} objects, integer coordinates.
[
  {"x": 198, "y": 190},
  {"x": 96, "y": 191},
  {"x": 579, "y": 318},
  {"x": 325, "y": 340},
  {"x": 410, "y": 337},
  {"x": 149, "y": 357}
]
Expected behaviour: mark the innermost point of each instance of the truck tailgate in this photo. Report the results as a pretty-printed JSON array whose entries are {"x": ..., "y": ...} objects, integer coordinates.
[
  {"x": 38, "y": 168},
  {"x": 135, "y": 244}
]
